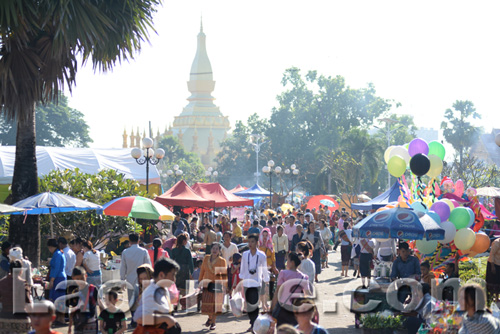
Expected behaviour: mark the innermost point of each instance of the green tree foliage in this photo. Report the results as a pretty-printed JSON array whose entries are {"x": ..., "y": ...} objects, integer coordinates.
[
  {"x": 236, "y": 160},
  {"x": 97, "y": 188},
  {"x": 314, "y": 114},
  {"x": 474, "y": 172},
  {"x": 188, "y": 162},
  {"x": 56, "y": 125},
  {"x": 40, "y": 45},
  {"x": 458, "y": 129}
]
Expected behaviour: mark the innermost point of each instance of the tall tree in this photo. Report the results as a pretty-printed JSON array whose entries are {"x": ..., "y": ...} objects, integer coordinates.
[
  {"x": 189, "y": 162},
  {"x": 56, "y": 125},
  {"x": 40, "y": 43},
  {"x": 458, "y": 129}
]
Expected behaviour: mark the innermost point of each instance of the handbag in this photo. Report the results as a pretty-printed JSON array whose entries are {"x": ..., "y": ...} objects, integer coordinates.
[
  {"x": 278, "y": 307},
  {"x": 213, "y": 288},
  {"x": 236, "y": 304}
]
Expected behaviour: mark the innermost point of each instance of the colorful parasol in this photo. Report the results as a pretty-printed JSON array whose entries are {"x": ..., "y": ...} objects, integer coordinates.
[
  {"x": 285, "y": 207},
  {"x": 323, "y": 200},
  {"x": 137, "y": 207}
]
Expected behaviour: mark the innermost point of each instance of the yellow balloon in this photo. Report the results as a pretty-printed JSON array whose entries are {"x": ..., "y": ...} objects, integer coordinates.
[
  {"x": 450, "y": 203},
  {"x": 396, "y": 166},
  {"x": 465, "y": 238},
  {"x": 436, "y": 166}
]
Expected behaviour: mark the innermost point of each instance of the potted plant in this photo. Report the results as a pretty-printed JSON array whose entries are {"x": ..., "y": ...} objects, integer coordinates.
[{"x": 381, "y": 323}]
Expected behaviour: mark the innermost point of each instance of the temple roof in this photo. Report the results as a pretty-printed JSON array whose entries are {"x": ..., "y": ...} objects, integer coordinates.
[{"x": 201, "y": 69}]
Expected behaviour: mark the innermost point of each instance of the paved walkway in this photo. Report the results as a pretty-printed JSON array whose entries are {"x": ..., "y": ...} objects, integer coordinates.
[{"x": 334, "y": 315}]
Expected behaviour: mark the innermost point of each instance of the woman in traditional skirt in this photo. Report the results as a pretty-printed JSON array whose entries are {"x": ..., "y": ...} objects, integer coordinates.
[
  {"x": 266, "y": 246},
  {"x": 326, "y": 235},
  {"x": 315, "y": 239},
  {"x": 182, "y": 255},
  {"x": 13, "y": 290},
  {"x": 280, "y": 244},
  {"x": 213, "y": 280},
  {"x": 493, "y": 270},
  {"x": 345, "y": 248}
]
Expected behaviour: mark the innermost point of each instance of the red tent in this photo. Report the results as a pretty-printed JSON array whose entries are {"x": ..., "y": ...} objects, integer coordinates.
[
  {"x": 220, "y": 195},
  {"x": 239, "y": 187},
  {"x": 183, "y": 195}
]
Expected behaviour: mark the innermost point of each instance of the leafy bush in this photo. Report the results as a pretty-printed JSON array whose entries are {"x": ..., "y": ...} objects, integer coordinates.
[
  {"x": 381, "y": 321},
  {"x": 98, "y": 188}
]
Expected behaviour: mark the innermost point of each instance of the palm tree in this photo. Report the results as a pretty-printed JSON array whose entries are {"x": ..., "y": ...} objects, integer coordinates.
[{"x": 40, "y": 45}]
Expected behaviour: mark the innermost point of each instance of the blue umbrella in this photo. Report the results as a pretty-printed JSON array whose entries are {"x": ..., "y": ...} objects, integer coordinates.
[
  {"x": 49, "y": 203},
  {"x": 398, "y": 223}
]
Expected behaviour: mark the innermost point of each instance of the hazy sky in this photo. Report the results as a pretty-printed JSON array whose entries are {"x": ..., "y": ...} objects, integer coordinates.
[{"x": 424, "y": 54}]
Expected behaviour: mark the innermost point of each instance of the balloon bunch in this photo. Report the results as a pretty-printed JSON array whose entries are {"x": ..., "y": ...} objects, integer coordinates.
[
  {"x": 422, "y": 158},
  {"x": 446, "y": 203}
]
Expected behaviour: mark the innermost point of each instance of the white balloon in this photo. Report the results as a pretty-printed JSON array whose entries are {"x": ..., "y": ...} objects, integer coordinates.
[
  {"x": 387, "y": 153},
  {"x": 401, "y": 151},
  {"x": 465, "y": 238},
  {"x": 449, "y": 232}
]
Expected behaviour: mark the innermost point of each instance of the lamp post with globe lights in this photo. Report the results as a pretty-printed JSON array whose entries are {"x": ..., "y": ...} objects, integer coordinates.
[
  {"x": 256, "y": 141},
  {"x": 211, "y": 172},
  {"x": 295, "y": 172},
  {"x": 147, "y": 156},
  {"x": 269, "y": 170}
]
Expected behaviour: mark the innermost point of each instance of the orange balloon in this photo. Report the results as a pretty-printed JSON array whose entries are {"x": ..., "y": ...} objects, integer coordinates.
[{"x": 482, "y": 243}]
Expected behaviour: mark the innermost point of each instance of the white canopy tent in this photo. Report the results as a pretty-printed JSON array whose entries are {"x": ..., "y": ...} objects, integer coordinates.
[{"x": 88, "y": 160}]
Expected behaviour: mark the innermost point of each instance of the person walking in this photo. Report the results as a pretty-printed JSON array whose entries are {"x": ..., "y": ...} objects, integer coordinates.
[
  {"x": 69, "y": 255},
  {"x": 307, "y": 266},
  {"x": 291, "y": 283},
  {"x": 365, "y": 260},
  {"x": 326, "y": 235},
  {"x": 133, "y": 257},
  {"x": 345, "y": 236},
  {"x": 280, "y": 244},
  {"x": 210, "y": 238},
  {"x": 297, "y": 237},
  {"x": 253, "y": 272},
  {"x": 213, "y": 279},
  {"x": 237, "y": 233},
  {"x": 156, "y": 252},
  {"x": 290, "y": 230},
  {"x": 182, "y": 256},
  {"x": 56, "y": 270},
  {"x": 92, "y": 264},
  {"x": 266, "y": 246},
  {"x": 314, "y": 237}
]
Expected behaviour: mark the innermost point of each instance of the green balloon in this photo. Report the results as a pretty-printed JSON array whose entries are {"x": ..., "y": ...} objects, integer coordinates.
[
  {"x": 459, "y": 217},
  {"x": 397, "y": 167},
  {"x": 437, "y": 148}
]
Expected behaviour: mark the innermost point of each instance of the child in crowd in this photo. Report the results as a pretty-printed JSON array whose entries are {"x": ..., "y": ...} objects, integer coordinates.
[
  {"x": 196, "y": 272},
  {"x": 42, "y": 315},
  {"x": 112, "y": 320},
  {"x": 235, "y": 271}
]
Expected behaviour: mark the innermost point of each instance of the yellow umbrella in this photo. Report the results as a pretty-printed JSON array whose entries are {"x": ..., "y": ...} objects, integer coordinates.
[
  {"x": 287, "y": 207},
  {"x": 267, "y": 211}
]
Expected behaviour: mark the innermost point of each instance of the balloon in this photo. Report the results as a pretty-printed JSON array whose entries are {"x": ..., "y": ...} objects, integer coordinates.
[
  {"x": 436, "y": 166},
  {"x": 417, "y": 146},
  {"x": 420, "y": 164},
  {"x": 460, "y": 218},
  {"x": 482, "y": 243},
  {"x": 449, "y": 232},
  {"x": 434, "y": 216},
  {"x": 387, "y": 154},
  {"x": 437, "y": 148},
  {"x": 396, "y": 166},
  {"x": 426, "y": 246},
  {"x": 450, "y": 203},
  {"x": 442, "y": 209},
  {"x": 459, "y": 188},
  {"x": 465, "y": 238},
  {"x": 472, "y": 217},
  {"x": 419, "y": 206},
  {"x": 401, "y": 151}
]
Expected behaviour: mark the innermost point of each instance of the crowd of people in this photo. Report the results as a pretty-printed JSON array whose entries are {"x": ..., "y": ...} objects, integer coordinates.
[{"x": 272, "y": 260}]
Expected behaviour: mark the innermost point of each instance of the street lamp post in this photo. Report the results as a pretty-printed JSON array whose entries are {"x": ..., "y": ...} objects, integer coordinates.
[
  {"x": 147, "y": 157},
  {"x": 254, "y": 141},
  {"x": 295, "y": 171},
  {"x": 388, "y": 132},
  {"x": 211, "y": 172},
  {"x": 269, "y": 170},
  {"x": 176, "y": 172}
]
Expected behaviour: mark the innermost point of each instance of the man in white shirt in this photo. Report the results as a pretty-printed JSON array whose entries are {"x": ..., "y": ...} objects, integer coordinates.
[
  {"x": 69, "y": 255},
  {"x": 253, "y": 272},
  {"x": 133, "y": 257},
  {"x": 154, "y": 306},
  {"x": 228, "y": 248}
]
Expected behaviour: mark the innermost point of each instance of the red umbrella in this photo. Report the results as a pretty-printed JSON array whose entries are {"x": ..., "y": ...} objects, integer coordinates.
[{"x": 323, "y": 200}]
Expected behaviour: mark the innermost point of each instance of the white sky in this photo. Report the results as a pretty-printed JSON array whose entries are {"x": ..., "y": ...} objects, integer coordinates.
[{"x": 424, "y": 54}]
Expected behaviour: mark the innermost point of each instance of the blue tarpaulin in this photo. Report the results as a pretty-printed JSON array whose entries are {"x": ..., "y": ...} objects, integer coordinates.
[
  {"x": 253, "y": 192},
  {"x": 380, "y": 201}
]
